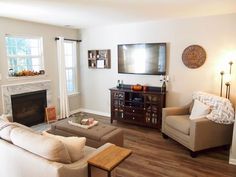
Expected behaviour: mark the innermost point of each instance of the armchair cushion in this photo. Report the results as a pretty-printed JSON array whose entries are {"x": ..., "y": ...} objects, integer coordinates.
[{"x": 180, "y": 123}]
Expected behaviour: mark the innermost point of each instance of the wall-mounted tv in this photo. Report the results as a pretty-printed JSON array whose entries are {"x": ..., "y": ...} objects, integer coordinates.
[{"x": 145, "y": 58}]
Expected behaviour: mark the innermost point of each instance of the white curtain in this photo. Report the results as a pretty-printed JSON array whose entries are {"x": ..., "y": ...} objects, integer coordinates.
[{"x": 64, "y": 103}]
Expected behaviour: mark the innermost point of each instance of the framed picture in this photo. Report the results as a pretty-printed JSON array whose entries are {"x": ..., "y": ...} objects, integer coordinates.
[
  {"x": 100, "y": 63},
  {"x": 50, "y": 113}
]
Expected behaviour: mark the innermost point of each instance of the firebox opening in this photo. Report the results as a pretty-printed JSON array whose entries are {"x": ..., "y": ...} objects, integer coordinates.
[{"x": 29, "y": 108}]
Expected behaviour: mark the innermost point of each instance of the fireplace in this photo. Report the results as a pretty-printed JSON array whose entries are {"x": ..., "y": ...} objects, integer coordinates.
[{"x": 29, "y": 108}]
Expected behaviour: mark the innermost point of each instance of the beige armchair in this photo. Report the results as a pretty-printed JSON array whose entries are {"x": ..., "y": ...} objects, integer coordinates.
[{"x": 196, "y": 135}]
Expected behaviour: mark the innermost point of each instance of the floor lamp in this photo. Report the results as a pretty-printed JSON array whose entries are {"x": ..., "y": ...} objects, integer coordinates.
[
  {"x": 221, "y": 83},
  {"x": 227, "y": 90},
  {"x": 227, "y": 79}
]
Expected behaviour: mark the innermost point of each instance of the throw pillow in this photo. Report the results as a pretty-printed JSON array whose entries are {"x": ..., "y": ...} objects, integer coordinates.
[
  {"x": 199, "y": 110},
  {"x": 74, "y": 145}
]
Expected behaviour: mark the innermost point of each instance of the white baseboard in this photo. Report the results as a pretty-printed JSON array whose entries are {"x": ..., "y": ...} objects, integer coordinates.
[
  {"x": 75, "y": 111},
  {"x": 94, "y": 112},
  {"x": 232, "y": 161}
]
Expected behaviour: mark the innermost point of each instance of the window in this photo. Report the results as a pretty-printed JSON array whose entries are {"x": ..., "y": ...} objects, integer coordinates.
[
  {"x": 71, "y": 66},
  {"x": 24, "y": 54}
]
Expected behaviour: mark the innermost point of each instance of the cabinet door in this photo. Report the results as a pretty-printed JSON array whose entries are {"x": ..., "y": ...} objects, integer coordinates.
[
  {"x": 153, "y": 99},
  {"x": 117, "y": 105},
  {"x": 153, "y": 106},
  {"x": 152, "y": 115}
]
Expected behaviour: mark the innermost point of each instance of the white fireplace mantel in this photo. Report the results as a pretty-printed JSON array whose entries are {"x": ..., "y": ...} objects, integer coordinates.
[{"x": 13, "y": 89}]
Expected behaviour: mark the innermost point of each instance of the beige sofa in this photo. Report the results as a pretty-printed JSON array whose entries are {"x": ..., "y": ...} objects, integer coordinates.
[
  {"x": 15, "y": 161},
  {"x": 196, "y": 135}
]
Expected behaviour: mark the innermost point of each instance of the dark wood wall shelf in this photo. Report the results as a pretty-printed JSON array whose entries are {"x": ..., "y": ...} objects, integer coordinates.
[
  {"x": 99, "y": 59},
  {"x": 138, "y": 107}
]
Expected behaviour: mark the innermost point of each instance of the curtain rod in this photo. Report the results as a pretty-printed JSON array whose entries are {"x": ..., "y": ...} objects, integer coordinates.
[{"x": 57, "y": 38}]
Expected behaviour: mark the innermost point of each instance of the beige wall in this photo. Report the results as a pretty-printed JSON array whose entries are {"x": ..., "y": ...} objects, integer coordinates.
[
  {"x": 48, "y": 32},
  {"x": 217, "y": 35}
]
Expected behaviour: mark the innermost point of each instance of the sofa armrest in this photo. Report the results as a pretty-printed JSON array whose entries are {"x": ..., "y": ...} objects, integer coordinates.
[
  {"x": 205, "y": 133},
  {"x": 88, "y": 156},
  {"x": 101, "y": 148},
  {"x": 114, "y": 137},
  {"x": 79, "y": 168}
]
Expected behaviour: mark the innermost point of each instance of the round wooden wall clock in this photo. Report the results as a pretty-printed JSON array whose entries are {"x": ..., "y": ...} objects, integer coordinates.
[{"x": 194, "y": 56}]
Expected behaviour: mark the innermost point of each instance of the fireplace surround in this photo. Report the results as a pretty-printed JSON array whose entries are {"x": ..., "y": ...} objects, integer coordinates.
[{"x": 24, "y": 88}]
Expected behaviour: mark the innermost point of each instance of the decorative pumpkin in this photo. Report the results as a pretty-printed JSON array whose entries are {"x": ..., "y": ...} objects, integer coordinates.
[{"x": 137, "y": 87}]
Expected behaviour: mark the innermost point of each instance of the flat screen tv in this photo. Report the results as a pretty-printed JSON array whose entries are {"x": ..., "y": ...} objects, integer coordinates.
[{"x": 146, "y": 58}]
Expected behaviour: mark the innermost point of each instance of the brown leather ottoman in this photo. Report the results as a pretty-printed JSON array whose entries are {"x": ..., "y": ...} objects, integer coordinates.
[{"x": 95, "y": 136}]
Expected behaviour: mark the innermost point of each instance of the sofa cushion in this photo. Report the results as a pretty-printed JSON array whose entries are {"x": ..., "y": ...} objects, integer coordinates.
[
  {"x": 6, "y": 128},
  {"x": 46, "y": 147},
  {"x": 180, "y": 123},
  {"x": 199, "y": 110},
  {"x": 94, "y": 133},
  {"x": 5, "y": 133},
  {"x": 23, "y": 126},
  {"x": 3, "y": 123},
  {"x": 5, "y": 117},
  {"x": 74, "y": 145}
]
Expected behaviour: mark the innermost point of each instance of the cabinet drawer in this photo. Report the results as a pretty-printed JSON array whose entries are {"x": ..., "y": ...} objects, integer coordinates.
[
  {"x": 134, "y": 110},
  {"x": 134, "y": 117}
]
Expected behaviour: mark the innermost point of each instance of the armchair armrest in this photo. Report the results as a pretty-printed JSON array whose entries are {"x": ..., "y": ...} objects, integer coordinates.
[{"x": 205, "y": 133}]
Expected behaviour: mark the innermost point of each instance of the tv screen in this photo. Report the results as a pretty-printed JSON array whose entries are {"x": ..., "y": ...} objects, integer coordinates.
[{"x": 147, "y": 58}]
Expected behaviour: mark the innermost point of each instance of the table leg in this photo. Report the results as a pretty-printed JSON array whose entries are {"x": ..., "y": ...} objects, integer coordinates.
[
  {"x": 109, "y": 173},
  {"x": 89, "y": 170}
]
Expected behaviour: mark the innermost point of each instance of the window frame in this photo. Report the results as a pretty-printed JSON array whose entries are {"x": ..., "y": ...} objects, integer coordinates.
[
  {"x": 75, "y": 68},
  {"x": 41, "y": 50}
]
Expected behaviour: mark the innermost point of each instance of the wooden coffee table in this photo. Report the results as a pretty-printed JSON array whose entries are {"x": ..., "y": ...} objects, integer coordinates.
[{"x": 108, "y": 159}]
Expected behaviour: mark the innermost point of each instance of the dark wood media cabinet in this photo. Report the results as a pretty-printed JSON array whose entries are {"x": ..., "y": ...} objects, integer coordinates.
[{"x": 138, "y": 107}]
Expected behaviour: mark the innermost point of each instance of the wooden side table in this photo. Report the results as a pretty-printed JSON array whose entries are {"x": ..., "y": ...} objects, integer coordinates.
[{"x": 108, "y": 159}]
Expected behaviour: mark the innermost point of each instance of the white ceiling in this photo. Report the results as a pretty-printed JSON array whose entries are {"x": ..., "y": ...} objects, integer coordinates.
[{"x": 88, "y": 13}]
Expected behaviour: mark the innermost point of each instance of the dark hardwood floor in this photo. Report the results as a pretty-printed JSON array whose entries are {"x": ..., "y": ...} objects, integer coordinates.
[{"x": 154, "y": 156}]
